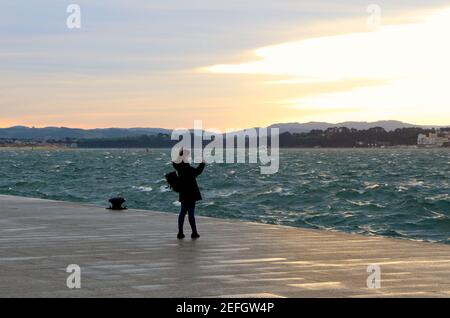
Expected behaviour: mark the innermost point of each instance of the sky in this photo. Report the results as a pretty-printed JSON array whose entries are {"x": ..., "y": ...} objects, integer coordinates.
[{"x": 232, "y": 64}]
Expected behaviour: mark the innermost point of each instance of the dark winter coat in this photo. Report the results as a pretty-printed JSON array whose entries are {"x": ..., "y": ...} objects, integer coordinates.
[{"x": 189, "y": 191}]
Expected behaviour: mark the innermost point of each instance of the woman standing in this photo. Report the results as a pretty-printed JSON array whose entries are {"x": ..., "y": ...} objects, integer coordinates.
[{"x": 189, "y": 193}]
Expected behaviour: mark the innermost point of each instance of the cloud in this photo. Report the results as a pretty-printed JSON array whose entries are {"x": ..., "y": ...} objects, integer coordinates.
[
  {"x": 411, "y": 60},
  {"x": 137, "y": 56},
  {"x": 391, "y": 52}
]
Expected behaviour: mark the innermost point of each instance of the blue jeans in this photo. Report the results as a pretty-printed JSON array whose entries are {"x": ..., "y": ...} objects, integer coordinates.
[{"x": 189, "y": 208}]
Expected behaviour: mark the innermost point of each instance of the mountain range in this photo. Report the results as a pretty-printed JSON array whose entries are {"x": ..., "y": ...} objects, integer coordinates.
[
  {"x": 388, "y": 125},
  {"x": 22, "y": 132}
]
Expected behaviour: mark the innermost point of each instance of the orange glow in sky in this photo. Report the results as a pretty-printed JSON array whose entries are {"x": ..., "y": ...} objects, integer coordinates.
[{"x": 336, "y": 70}]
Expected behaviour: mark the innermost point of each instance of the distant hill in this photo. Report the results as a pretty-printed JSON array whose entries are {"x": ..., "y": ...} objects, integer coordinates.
[
  {"x": 388, "y": 125},
  {"x": 329, "y": 138},
  {"x": 59, "y": 133},
  {"x": 21, "y": 132}
]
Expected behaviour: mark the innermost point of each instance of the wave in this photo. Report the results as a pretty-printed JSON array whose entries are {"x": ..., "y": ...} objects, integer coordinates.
[
  {"x": 366, "y": 203},
  {"x": 164, "y": 189},
  {"x": 143, "y": 188}
]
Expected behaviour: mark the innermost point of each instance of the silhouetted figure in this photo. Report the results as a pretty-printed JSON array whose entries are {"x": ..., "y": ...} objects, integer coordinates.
[{"x": 189, "y": 192}]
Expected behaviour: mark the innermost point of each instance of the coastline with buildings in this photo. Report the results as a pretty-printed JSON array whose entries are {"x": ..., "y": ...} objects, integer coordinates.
[
  {"x": 439, "y": 138},
  {"x": 31, "y": 144},
  {"x": 332, "y": 137}
]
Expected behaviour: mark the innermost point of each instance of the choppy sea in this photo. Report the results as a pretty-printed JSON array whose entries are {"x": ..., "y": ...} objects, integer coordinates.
[{"x": 389, "y": 192}]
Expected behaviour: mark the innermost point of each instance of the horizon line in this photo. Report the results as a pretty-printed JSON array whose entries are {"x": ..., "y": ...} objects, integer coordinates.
[{"x": 280, "y": 123}]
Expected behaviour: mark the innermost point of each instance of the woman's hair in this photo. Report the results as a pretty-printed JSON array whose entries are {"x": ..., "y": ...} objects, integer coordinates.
[{"x": 184, "y": 153}]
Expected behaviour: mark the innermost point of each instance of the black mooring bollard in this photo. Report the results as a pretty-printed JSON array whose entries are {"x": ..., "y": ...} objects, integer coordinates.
[{"x": 117, "y": 203}]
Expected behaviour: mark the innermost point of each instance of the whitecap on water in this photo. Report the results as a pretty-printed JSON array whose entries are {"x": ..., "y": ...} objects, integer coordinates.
[
  {"x": 164, "y": 189},
  {"x": 372, "y": 186},
  {"x": 223, "y": 194},
  {"x": 415, "y": 183},
  {"x": 348, "y": 214},
  {"x": 401, "y": 189},
  {"x": 274, "y": 190},
  {"x": 439, "y": 197},
  {"x": 228, "y": 194},
  {"x": 365, "y": 203},
  {"x": 435, "y": 215},
  {"x": 278, "y": 190},
  {"x": 176, "y": 203},
  {"x": 143, "y": 189},
  {"x": 136, "y": 163}
]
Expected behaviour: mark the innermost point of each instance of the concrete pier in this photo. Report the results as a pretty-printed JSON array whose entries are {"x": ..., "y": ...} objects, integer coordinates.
[{"x": 135, "y": 253}]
